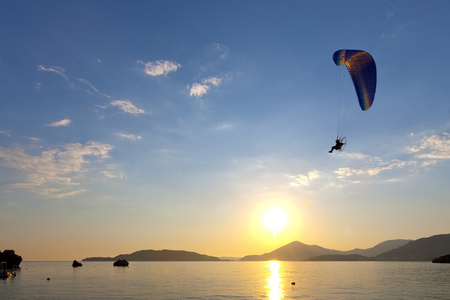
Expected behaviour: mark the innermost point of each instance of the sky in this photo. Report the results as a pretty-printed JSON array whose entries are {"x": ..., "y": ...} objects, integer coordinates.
[{"x": 177, "y": 124}]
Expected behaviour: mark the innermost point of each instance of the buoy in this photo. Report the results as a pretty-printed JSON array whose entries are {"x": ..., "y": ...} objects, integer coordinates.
[
  {"x": 48, "y": 278},
  {"x": 293, "y": 283}
]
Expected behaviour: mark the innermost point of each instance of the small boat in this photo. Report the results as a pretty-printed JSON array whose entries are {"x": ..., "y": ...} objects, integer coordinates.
[{"x": 5, "y": 273}]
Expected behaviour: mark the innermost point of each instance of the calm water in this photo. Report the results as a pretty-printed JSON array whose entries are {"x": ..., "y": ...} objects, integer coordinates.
[{"x": 230, "y": 280}]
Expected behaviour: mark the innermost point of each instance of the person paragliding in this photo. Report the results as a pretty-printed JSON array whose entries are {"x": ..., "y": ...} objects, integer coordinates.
[
  {"x": 363, "y": 72},
  {"x": 339, "y": 144}
]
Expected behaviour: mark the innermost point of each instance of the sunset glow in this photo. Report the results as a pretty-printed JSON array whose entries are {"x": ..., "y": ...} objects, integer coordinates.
[{"x": 275, "y": 219}]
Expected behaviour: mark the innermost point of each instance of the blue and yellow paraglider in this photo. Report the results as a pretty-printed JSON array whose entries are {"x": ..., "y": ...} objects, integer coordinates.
[{"x": 363, "y": 72}]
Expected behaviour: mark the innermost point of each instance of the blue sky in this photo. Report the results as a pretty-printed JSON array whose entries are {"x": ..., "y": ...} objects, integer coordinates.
[{"x": 176, "y": 124}]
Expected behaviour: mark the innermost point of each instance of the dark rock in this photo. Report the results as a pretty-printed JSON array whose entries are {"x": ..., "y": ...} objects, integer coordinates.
[
  {"x": 11, "y": 258},
  {"x": 442, "y": 260},
  {"x": 76, "y": 264},
  {"x": 121, "y": 263}
]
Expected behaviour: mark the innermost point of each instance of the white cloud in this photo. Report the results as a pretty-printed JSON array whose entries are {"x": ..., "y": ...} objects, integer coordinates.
[
  {"x": 304, "y": 180},
  {"x": 159, "y": 67},
  {"x": 129, "y": 136},
  {"x": 127, "y": 106},
  {"x": 198, "y": 89},
  {"x": 63, "y": 122},
  {"x": 433, "y": 147},
  {"x": 53, "y": 171}
]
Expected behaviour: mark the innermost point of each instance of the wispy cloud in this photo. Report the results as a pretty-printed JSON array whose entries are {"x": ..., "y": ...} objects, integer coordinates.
[
  {"x": 221, "y": 49},
  {"x": 127, "y": 106},
  {"x": 7, "y": 133},
  {"x": 200, "y": 89},
  {"x": 129, "y": 136},
  {"x": 375, "y": 168},
  {"x": 159, "y": 67},
  {"x": 109, "y": 174},
  {"x": 59, "y": 71},
  {"x": 224, "y": 126},
  {"x": 63, "y": 122},
  {"x": 72, "y": 81},
  {"x": 53, "y": 171},
  {"x": 394, "y": 29},
  {"x": 92, "y": 89}
]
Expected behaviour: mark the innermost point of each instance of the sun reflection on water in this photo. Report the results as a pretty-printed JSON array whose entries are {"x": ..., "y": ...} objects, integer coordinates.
[{"x": 274, "y": 283}]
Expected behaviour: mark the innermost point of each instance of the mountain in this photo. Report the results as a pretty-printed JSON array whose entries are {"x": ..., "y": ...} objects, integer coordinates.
[
  {"x": 379, "y": 248},
  {"x": 424, "y": 249},
  {"x": 292, "y": 252},
  {"x": 296, "y": 251},
  {"x": 157, "y": 255}
]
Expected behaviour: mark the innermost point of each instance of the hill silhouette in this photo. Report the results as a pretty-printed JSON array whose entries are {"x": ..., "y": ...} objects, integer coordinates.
[
  {"x": 296, "y": 251},
  {"x": 424, "y": 249},
  {"x": 379, "y": 248},
  {"x": 158, "y": 255},
  {"x": 292, "y": 252}
]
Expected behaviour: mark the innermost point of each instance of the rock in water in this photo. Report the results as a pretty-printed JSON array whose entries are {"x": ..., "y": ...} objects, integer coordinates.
[
  {"x": 443, "y": 259},
  {"x": 76, "y": 264},
  {"x": 121, "y": 263}
]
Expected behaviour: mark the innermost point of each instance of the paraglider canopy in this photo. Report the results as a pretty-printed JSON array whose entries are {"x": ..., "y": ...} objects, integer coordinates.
[{"x": 363, "y": 72}]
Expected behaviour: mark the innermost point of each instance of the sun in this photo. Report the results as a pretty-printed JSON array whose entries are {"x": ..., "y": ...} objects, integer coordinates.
[{"x": 275, "y": 219}]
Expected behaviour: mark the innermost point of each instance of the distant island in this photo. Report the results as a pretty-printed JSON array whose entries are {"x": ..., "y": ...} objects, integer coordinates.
[{"x": 158, "y": 255}]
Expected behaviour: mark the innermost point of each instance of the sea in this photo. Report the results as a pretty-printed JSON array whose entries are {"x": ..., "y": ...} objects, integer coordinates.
[{"x": 229, "y": 280}]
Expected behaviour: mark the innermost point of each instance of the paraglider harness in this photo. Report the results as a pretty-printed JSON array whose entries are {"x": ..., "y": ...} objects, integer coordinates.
[{"x": 340, "y": 144}]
